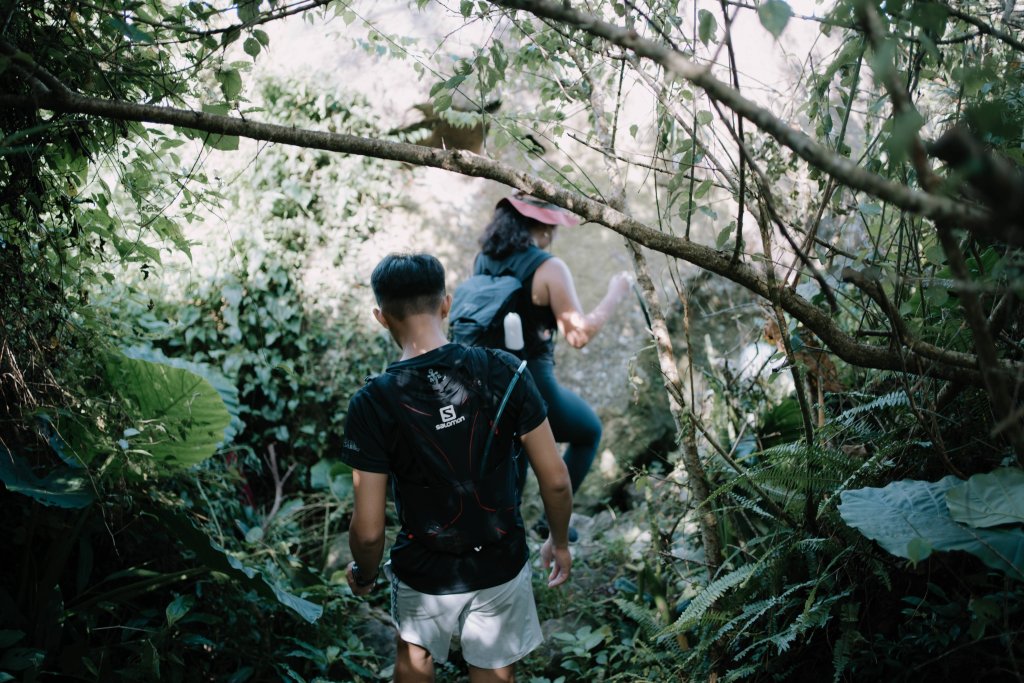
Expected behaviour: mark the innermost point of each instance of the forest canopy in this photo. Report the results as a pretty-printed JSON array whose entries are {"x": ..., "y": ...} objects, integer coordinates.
[{"x": 848, "y": 509}]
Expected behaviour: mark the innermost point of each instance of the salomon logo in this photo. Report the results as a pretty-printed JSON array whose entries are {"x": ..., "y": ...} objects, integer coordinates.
[{"x": 448, "y": 418}]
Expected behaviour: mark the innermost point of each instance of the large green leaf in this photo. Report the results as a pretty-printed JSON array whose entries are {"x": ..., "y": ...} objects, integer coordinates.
[
  {"x": 62, "y": 487},
  {"x": 989, "y": 499},
  {"x": 225, "y": 387},
  {"x": 910, "y": 519},
  {"x": 218, "y": 559},
  {"x": 182, "y": 419},
  {"x": 774, "y": 15}
]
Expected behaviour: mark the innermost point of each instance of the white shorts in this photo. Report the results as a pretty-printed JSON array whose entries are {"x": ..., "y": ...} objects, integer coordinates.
[{"x": 496, "y": 626}]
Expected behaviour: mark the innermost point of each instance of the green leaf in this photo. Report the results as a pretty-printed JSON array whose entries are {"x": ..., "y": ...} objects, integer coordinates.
[
  {"x": 185, "y": 419},
  {"x": 60, "y": 488},
  {"x": 454, "y": 81},
  {"x": 22, "y": 658},
  {"x": 918, "y": 550},
  {"x": 704, "y": 117},
  {"x": 906, "y": 510},
  {"x": 261, "y": 36},
  {"x": 178, "y": 608},
  {"x": 498, "y": 57},
  {"x": 882, "y": 59},
  {"x": 904, "y": 130},
  {"x": 320, "y": 475},
  {"x": 225, "y": 388},
  {"x": 936, "y": 296},
  {"x": 930, "y": 16},
  {"x": 442, "y": 103},
  {"x": 724, "y": 235},
  {"x": 248, "y": 10},
  {"x": 707, "y": 26},
  {"x": 130, "y": 31},
  {"x": 230, "y": 36},
  {"x": 217, "y": 558},
  {"x": 990, "y": 499},
  {"x": 218, "y": 108},
  {"x": 168, "y": 229},
  {"x": 702, "y": 189},
  {"x": 230, "y": 83},
  {"x": 225, "y": 143},
  {"x": 252, "y": 47},
  {"x": 935, "y": 254},
  {"x": 774, "y": 15},
  {"x": 466, "y": 7},
  {"x": 8, "y": 638}
]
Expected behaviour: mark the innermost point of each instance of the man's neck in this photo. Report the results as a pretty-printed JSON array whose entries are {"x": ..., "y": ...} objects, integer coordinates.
[{"x": 419, "y": 335}]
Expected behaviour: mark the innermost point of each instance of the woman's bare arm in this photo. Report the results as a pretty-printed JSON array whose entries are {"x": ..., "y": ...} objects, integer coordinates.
[{"x": 553, "y": 285}]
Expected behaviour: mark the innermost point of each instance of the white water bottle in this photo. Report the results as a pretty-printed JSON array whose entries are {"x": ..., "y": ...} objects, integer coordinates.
[{"x": 513, "y": 332}]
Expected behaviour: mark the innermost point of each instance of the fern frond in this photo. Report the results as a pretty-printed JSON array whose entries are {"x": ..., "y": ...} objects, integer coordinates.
[
  {"x": 751, "y": 506},
  {"x": 741, "y": 673},
  {"x": 752, "y": 616},
  {"x": 865, "y": 471},
  {"x": 651, "y": 626},
  {"x": 787, "y": 481},
  {"x": 707, "y": 597},
  {"x": 814, "y": 615},
  {"x": 648, "y": 618},
  {"x": 842, "y": 653},
  {"x": 890, "y": 400},
  {"x": 793, "y": 450}
]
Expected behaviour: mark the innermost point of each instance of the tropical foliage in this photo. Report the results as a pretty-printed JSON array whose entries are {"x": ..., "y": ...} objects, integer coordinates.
[{"x": 171, "y": 500}]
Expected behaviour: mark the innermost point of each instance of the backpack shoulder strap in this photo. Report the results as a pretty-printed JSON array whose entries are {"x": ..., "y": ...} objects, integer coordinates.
[
  {"x": 520, "y": 265},
  {"x": 501, "y": 409}
]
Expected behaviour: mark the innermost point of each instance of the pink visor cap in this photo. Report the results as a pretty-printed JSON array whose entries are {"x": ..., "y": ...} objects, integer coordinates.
[{"x": 541, "y": 211}]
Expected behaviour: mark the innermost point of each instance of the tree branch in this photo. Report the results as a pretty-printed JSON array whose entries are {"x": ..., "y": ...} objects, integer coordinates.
[
  {"x": 466, "y": 163},
  {"x": 982, "y": 26},
  {"x": 844, "y": 170}
]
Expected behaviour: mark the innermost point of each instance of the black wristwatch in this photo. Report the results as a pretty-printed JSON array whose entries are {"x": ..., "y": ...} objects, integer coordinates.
[{"x": 356, "y": 574}]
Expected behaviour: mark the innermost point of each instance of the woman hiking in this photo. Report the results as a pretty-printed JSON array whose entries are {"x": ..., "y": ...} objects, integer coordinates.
[{"x": 515, "y": 241}]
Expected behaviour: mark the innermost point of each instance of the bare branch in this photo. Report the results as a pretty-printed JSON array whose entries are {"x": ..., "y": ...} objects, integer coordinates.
[
  {"x": 987, "y": 29},
  {"x": 845, "y": 171}
]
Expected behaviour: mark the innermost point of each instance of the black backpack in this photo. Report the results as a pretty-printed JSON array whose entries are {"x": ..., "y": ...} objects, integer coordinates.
[
  {"x": 480, "y": 304},
  {"x": 448, "y": 515}
]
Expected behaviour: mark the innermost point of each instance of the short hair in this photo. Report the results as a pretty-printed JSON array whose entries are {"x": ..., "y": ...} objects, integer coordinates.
[{"x": 408, "y": 284}]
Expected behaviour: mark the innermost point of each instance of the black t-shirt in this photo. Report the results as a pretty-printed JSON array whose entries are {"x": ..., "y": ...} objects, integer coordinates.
[{"x": 425, "y": 422}]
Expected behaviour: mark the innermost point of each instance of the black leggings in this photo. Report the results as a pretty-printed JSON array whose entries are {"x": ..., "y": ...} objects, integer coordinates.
[{"x": 572, "y": 420}]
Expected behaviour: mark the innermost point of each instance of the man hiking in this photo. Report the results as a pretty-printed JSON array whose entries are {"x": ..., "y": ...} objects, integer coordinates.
[{"x": 446, "y": 423}]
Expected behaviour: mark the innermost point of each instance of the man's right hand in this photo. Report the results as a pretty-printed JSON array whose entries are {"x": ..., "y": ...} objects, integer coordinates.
[
  {"x": 353, "y": 581},
  {"x": 559, "y": 560}
]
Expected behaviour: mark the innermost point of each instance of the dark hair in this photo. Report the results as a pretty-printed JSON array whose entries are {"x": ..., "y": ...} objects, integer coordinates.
[
  {"x": 507, "y": 233},
  {"x": 408, "y": 284}
]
